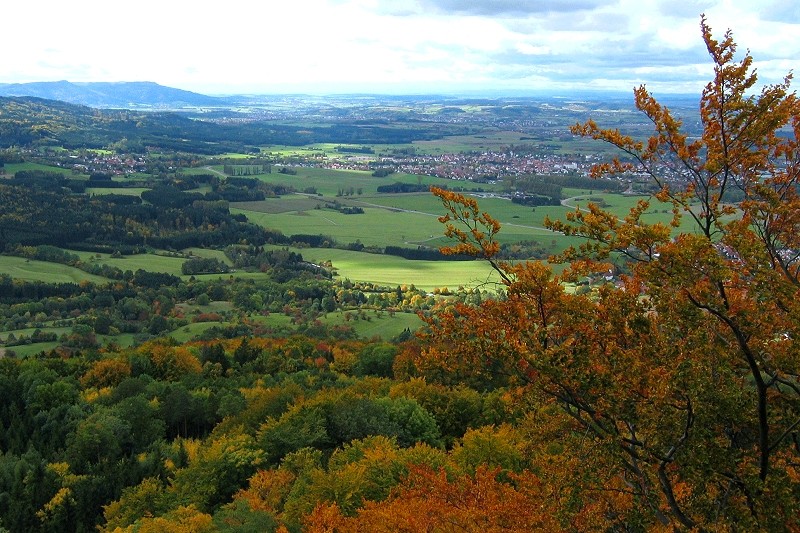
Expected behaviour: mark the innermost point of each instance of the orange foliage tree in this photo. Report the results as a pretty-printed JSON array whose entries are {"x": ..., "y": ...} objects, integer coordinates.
[
  {"x": 684, "y": 377},
  {"x": 428, "y": 501}
]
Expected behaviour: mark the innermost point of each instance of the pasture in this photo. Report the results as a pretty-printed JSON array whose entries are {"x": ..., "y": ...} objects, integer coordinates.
[
  {"x": 378, "y": 324},
  {"x": 13, "y": 168},
  {"x": 31, "y": 270},
  {"x": 401, "y": 220},
  {"x": 375, "y": 227},
  {"x": 149, "y": 262},
  {"x": 621, "y": 204},
  {"x": 329, "y": 182},
  {"x": 391, "y": 271},
  {"x": 127, "y": 191}
]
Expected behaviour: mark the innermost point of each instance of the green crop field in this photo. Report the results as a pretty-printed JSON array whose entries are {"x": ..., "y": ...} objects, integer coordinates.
[{"x": 30, "y": 270}]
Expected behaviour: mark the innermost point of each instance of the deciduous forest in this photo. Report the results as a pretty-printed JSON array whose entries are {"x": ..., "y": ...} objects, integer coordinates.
[{"x": 666, "y": 398}]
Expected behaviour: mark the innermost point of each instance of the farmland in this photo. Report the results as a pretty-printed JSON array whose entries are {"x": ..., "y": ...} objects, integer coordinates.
[{"x": 324, "y": 200}]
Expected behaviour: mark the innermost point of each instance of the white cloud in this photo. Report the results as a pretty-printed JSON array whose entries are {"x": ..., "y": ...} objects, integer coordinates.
[{"x": 402, "y": 44}]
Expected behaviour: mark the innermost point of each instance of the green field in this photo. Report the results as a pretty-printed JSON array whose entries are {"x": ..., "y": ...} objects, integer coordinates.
[
  {"x": 13, "y": 168},
  {"x": 31, "y": 270},
  {"x": 402, "y": 220},
  {"x": 375, "y": 227},
  {"x": 29, "y": 331},
  {"x": 149, "y": 262},
  {"x": 493, "y": 140},
  {"x": 329, "y": 182},
  {"x": 160, "y": 261},
  {"x": 391, "y": 271},
  {"x": 383, "y": 326},
  {"x": 132, "y": 191},
  {"x": 621, "y": 204},
  {"x": 468, "y": 143},
  {"x": 26, "y": 350},
  {"x": 284, "y": 204}
]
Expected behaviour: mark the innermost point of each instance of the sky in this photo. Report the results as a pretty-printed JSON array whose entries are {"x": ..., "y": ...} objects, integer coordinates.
[{"x": 392, "y": 46}]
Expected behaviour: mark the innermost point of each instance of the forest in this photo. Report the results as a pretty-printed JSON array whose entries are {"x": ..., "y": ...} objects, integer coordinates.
[
  {"x": 33, "y": 121},
  {"x": 663, "y": 398}
]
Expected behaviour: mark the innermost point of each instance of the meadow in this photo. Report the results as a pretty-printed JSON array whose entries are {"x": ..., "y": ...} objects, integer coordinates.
[
  {"x": 32, "y": 270},
  {"x": 13, "y": 168},
  {"x": 390, "y": 271},
  {"x": 329, "y": 182}
]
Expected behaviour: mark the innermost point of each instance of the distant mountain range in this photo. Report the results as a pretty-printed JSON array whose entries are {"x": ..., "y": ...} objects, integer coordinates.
[{"x": 111, "y": 94}]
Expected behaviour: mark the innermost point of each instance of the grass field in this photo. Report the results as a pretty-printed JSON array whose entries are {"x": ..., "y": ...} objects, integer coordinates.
[
  {"x": 30, "y": 270},
  {"x": 467, "y": 143},
  {"x": 403, "y": 220},
  {"x": 383, "y": 326},
  {"x": 494, "y": 140},
  {"x": 26, "y": 350},
  {"x": 391, "y": 271},
  {"x": 152, "y": 262},
  {"x": 207, "y": 253},
  {"x": 375, "y": 227},
  {"x": 133, "y": 191},
  {"x": 357, "y": 266},
  {"x": 13, "y": 168},
  {"x": 329, "y": 182},
  {"x": 29, "y": 331},
  {"x": 620, "y": 205},
  {"x": 284, "y": 204},
  {"x": 149, "y": 262},
  {"x": 190, "y": 331}
]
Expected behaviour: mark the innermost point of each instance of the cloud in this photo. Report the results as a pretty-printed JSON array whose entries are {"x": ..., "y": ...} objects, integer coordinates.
[
  {"x": 510, "y": 7},
  {"x": 779, "y": 11},
  {"x": 689, "y": 9},
  {"x": 394, "y": 43},
  {"x": 485, "y": 8}
]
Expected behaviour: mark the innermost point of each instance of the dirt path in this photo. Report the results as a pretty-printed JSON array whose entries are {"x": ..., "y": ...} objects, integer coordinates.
[
  {"x": 216, "y": 172},
  {"x": 566, "y": 203}
]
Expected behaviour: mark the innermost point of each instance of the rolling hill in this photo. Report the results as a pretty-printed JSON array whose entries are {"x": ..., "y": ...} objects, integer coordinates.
[{"x": 111, "y": 94}]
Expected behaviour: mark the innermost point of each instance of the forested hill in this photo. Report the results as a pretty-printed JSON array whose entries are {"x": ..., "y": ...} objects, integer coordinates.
[
  {"x": 110, "y": 94},
  {"x": 29, "y": 121}
]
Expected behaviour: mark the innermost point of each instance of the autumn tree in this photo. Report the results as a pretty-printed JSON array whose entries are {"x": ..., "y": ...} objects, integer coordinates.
[
  {"x": 428, "y": 501},
  {"x": 683, "y": 376}
]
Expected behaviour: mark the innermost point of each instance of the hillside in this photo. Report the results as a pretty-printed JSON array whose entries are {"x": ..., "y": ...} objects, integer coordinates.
[{"x": 31, "y": 121}]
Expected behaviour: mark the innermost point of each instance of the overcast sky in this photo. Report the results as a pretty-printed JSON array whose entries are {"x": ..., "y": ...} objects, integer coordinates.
[{"x": 391, "y": 46}]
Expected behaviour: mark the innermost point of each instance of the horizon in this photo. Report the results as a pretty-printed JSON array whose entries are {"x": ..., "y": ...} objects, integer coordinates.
[{"x": 466, "y": 93}]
